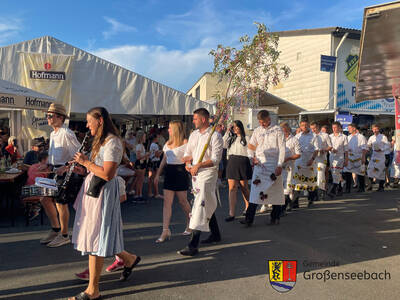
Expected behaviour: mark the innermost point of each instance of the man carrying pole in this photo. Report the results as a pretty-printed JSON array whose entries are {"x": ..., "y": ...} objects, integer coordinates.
[{"x": 204, "y": 173}]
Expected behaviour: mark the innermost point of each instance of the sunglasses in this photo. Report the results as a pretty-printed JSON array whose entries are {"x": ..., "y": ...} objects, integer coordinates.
[{"x": 50, "y": 116}]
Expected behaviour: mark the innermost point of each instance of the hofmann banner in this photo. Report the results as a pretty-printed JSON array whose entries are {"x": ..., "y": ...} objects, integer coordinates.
[{"x": 48, "y": 74}]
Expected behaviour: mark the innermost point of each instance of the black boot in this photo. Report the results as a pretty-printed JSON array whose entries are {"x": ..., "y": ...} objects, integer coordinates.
[
  {"x": 348, "y": 178},
  {"x": 361, "y": 184},
  {"x": 295, "y": 202},
  {"x": 340, "y": 190},
  {"x": 370, "y": 184},
  {"x": 286, "y": 206},
  {"x": 250, "y": 213},
  {"x": 381, "y": 186},
  {"x": 332, "y": 191}
]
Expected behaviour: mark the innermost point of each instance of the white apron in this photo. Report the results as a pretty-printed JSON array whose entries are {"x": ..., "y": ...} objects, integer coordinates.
[
  {"x": 337, "y": 164},
  {"x": 304, "y": 177},
  {"x": 376, "y": 165},
  {"x": 321, "y": 163},
  {"x": 287, "y": 177},
  {"x": 355, "y": 164},
  {"x": 205, "y": 201},
  {"x": 263, "y": 189}
]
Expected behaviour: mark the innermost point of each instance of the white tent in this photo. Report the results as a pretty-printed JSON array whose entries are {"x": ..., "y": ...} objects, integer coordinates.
[
  {"x": 97, "y": 82},
  {"x": 15, "y": 96}
]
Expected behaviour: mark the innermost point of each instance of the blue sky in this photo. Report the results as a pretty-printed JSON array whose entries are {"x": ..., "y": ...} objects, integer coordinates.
[{"x": 166, "y": 40}]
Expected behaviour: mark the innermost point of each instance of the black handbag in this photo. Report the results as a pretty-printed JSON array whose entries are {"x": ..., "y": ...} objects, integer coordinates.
[{"x": 95, "y": 185}]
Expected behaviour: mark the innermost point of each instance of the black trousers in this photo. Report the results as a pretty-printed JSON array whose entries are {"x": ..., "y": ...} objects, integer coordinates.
[
  {"x": 361, "y": 182},
  {"x": 349, "y": 179},
  {"x": 195, "y": 239},
  {"x": 251, "y": 212},
  {"x": 276, "y": 212}
]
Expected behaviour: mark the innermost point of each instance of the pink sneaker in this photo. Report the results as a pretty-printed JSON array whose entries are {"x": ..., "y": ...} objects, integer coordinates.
[
  {"x": 84, "y": 275},
  {"x": 117, "y": 265}
]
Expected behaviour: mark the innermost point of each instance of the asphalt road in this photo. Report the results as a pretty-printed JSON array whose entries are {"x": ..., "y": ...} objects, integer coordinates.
[{"x": 357, "y": 232}]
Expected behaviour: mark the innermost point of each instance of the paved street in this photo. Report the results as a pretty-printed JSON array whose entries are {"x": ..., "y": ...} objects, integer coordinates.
[{"x": 360, "y": 232}]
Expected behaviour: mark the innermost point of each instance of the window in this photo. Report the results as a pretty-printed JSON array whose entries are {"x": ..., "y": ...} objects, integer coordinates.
[{"x": 198, "y": 92}]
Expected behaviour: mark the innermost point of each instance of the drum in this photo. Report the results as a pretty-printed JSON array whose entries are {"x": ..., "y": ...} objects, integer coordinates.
[{"x": 33, "y": 190}]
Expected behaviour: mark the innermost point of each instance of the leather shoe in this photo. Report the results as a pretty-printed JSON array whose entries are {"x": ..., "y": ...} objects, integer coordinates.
[
  {"x": 188, "y": 251},
  {"x": 211, "y": 239},
  {"x": 230, "y": 219},
  {"x": 244, "y": 222}
]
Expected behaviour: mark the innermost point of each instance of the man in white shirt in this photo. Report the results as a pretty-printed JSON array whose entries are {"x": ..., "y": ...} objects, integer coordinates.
[
  {"x": 267, "y": 150},
  {"x": 292, "y": 152},
  {"x": 63, "y": 146},
  {"x": 305, "y": 169},
  {"x": 378, "y": 144},
  {"x": 204, "y": 180},
  {"x": 321, "y": 159},
  {"x": 338, "y": 157},
  {"x": 357, "y": 150}
]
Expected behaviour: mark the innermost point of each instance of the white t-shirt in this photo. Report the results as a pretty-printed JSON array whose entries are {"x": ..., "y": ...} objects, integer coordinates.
[
  {"x": 140, "y": 148},
  {"x": 174, "y": 156},
  {"x": 63, "y": 146},
  {"x": 153, "y": 149}
]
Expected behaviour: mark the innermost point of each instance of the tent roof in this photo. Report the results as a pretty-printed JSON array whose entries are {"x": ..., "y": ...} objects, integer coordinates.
[
  {"x": 97, "y": 82},
  {"x": 16, "y": 96}
]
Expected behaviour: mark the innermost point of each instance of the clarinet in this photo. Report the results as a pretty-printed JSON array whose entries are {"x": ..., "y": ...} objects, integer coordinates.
[{"x": 62, "y": 190}]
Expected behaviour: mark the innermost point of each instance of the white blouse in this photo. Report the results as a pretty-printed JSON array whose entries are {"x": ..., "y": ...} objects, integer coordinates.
[
  {"x": 110, "y": 151},
  {"x": 237, "y": 147},
  {"x": 174, "y": 156}
]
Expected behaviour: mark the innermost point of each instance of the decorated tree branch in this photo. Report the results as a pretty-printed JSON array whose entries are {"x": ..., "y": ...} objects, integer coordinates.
[{"x": 249, "y": 71}]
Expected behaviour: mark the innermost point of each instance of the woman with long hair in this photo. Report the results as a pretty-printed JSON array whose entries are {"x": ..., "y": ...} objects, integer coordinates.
[
  {"x": 98, "y": 225},
  {"x": 238, "y": 170},
  {"x": 176, "y": 178},
  {"x": 140, "y": 164}
]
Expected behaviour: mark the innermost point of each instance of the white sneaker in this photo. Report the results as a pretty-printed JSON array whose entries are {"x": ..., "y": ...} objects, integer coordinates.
[
  {"x": 50, "y": 236},
  {"x": 59, "y": 241}
]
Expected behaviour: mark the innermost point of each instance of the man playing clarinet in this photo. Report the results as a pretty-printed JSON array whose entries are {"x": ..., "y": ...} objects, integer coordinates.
[{"x": 63, "y": 146}]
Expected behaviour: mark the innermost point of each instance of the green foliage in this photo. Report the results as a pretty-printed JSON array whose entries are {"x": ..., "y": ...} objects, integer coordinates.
[{"x": 250, "y": 70}]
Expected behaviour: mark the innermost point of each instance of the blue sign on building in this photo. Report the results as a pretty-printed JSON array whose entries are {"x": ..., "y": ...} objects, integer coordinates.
[
  {"x": 345, "y": 120},
  {"x": 328, "y": 63}
]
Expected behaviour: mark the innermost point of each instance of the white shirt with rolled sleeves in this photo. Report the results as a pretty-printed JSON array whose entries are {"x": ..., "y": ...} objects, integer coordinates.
[
  {"x": 63, "y": 146},
  {"x": 304, "y": 176},
  {"x": 325, "y": 143},
  {"x": 376, "y": 165},
  {"x": 292, "y": 148},
  {"x": 270, "y": 152},
  {"x": 340, "y": 144},
  {"x": 205, "y": 182},
  {"x": 357, "y": 143}
]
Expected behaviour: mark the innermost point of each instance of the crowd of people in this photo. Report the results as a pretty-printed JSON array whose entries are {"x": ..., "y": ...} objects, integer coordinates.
[{"x": 272, "y": 168}]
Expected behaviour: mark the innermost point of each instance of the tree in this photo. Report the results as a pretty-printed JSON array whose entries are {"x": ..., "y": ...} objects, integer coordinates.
[{"x": 249, "y": 71}]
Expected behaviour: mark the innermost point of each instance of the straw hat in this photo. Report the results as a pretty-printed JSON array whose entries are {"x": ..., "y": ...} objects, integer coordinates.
[{"x": 58, "y": 109}]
